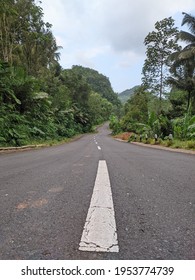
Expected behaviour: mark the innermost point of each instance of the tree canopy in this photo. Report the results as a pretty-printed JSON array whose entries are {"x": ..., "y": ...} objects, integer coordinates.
[
  {"x": 160, "y": 44},
  {"x": 39, "y": 100},
  {"x": 165, "y": 103}
]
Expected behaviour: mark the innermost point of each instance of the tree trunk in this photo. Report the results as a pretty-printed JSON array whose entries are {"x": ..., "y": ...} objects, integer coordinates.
[{"x": 189, "y": 98}]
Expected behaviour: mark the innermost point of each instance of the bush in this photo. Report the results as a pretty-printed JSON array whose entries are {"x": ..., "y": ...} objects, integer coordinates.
[
  {"x": 191, "y": 144},
  {"x": 115, "y": 125},
  {"x": 168, "y": 143},
  {"x": 132, "y": 138}
]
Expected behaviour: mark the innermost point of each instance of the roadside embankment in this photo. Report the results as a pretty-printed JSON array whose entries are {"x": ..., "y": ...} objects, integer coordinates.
[{"x": 125, "y": 138}]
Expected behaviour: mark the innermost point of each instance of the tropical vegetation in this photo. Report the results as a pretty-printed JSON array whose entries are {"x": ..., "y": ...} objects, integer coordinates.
[
  {"x": 164, "y": 105},
  {"x": 39, "y": 100}
]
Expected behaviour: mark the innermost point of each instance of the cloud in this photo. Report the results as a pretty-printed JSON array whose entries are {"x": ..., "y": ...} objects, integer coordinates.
[
  {"x": 86, "y": 57},
  {"x": 126, "y": 25},
  {"x": 121, "y": 23},
  {"x": 128, "y": 59},
  {"x": 108, "y": 34}
]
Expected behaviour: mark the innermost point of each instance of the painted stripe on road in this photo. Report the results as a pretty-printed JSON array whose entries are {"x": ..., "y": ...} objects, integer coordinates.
[
  {"x": 99, "y": 233},
  {"x": 99, "y": 148}
]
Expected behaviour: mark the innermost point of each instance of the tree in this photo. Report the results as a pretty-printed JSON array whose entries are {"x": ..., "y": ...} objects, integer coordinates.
[
  {"x": 38, "y": 99},
  {"x": 8, "y": 17},
  {"x": 160, "y": 44},
  {"x": 136, "y": 110},
  {"x": 25, "y": 39},
  {"x": 99, "y": 108},
  {"x": 183, "y": 61},
  {"x": 36, "y": 45},
  {"x": 188, "y": 51},
  {"x": 98, "y": 83}
]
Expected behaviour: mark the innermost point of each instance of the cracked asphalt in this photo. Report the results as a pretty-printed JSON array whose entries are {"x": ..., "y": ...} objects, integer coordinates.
[{"x": 45, "y": 196}]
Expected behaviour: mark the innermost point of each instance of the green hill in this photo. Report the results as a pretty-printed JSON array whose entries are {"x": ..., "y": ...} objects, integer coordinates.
[
  {"x": 98, "y": 83},
  {"x": 125, "y": 95}
]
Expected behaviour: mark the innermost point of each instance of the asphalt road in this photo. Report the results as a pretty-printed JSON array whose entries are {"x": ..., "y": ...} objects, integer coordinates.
[{"x": 45, "y": 196}]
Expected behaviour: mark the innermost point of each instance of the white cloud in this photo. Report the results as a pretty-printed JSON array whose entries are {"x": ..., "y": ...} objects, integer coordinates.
[
  {"x": 128, "y": 59},
  {"x": 121, "y": 23},
  {"x": 85, "y": 57},
  {"x": 92, "y": 29},
  {"x": 126, "y": 25}
]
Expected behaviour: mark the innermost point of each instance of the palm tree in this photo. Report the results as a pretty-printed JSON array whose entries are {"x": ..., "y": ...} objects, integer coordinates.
[
  {"x": 183, "y": 67},
  {"x": 189, "y": 51}
]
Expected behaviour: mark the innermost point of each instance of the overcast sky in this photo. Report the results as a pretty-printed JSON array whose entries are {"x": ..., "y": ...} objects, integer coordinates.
[{"x": 108, "y": 35}]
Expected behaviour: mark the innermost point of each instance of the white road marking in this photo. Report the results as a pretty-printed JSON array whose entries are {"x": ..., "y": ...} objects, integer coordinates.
[
  {"x": 99, "y": 233},
  {"x": 99, "y": 148}
]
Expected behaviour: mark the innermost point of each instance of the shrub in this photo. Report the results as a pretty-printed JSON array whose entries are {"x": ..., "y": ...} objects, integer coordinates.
[
  {"x": 191, "y": 144},
  {"x": 132, "y": 138}
]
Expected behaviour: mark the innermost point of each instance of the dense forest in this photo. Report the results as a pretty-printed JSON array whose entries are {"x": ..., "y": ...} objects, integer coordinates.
[
  {"x": 164, "y": 105},
  {"x": 39, "y": 100}
]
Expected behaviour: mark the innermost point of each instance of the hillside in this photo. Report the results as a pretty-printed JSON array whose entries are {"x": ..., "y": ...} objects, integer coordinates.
[
  {"x": 98, "y": 83},
  {"x": 125, "y": 95}
]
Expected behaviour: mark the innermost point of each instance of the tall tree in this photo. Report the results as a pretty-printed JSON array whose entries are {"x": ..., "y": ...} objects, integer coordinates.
[
  {"x": 8, "y": 16},
  {"x": 25, "y": 39},
  {"x": 183, "y": 66},
  {"x": 36, "y": 44},
  {"x": 160, "y": 44},
  {"x": 189, "y": 38}
]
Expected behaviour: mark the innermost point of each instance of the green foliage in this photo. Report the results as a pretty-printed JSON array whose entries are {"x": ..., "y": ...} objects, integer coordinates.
[
  {"x": 38, "y": 99},
  {"x": 136, "y": 110},
  {"x": 183, "y": 62},
  {"x": 160, "y": 44},
  {"x": 100, "y": 108},
  {"x": 115, "y": 125},
  {"x": 178, "y": 100},
  {"x": 98, "y": 83},
  {"x": 156, "y": 112},
  {"x": 125, "y": 95},
  {"x": 184, "y": 128}
]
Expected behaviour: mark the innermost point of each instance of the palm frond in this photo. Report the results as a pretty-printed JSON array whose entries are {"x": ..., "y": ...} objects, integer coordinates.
[
  {"x": 190, "y": 21},
  {"x": 174, "y": 56},
  {"x": 187, "y": 53},
  {"x": 178, "y": 83},
  {"x": 187, "y": 37}
]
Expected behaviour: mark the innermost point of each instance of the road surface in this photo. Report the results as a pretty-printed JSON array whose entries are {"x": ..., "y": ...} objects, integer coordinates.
[{"x": 97, "y": 198}]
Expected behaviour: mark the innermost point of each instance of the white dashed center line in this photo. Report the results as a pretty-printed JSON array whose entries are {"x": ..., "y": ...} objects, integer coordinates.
[{"x": 99, "y": 233}]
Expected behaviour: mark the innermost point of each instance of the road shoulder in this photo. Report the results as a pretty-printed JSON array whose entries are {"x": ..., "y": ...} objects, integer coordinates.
[{"x": 159, "y": 147}]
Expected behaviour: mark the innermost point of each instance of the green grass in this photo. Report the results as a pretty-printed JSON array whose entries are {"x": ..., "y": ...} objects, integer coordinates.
[
  {"x": 176, "y": 144},
  {"x": 53, "y": 142}
]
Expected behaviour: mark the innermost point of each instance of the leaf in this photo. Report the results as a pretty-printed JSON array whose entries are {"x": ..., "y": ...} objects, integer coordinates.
[
  {"x": 191, "y": 128},
  {"x": 2, "y": 139},
  {"x": 192, "y": 120},
  {"x": 36, "y": 130},
  {"x": 40, "y": 95}
]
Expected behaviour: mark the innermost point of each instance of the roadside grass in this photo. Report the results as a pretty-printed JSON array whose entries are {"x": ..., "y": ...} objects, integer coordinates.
[
  {"x": 51, "y": 142},
  {"x": 42, "y": 143},
  {"x": 178, "y": 144},
  {"x": 175, "y": 143}
]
